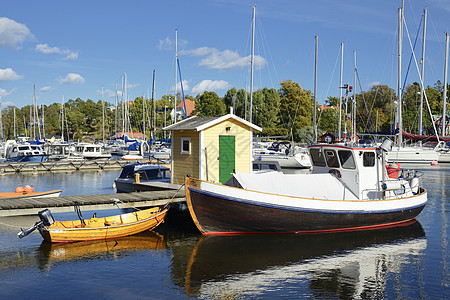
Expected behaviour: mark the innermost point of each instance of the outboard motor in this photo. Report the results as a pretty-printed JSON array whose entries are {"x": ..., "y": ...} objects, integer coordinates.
[
  {"x": 46, "y": 220},
  {"x": 46, "y": 217}
]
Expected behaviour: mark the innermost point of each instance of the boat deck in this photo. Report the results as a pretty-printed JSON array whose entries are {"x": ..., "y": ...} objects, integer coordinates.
[{"x": 20, "y": 207}]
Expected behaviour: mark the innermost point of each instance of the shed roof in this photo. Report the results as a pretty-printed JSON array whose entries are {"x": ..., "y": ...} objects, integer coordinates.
[{"x": 201, "y": 123}]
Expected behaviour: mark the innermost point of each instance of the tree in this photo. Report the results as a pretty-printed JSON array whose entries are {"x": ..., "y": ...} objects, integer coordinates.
[
  {"x": 295, "y": 107},
  {"x": 209, "y": 104}
]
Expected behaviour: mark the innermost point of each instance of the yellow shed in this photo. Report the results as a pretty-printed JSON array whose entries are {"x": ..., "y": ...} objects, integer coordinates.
[{"x": 211, "y": 148}]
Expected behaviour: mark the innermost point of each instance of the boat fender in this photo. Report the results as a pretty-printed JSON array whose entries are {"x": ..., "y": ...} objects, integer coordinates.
[
  {"x": 46, "y": 217},
  {"x": 335, "y": 173},
  {"x": 414, "y": 184},
  {"x": 19, "y": 190},
  {"x": 391, "y": 185},
  {"x": 28, "y": 189}
]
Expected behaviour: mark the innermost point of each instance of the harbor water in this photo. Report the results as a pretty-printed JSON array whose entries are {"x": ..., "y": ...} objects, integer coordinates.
[{"x": 176, "y": 262}]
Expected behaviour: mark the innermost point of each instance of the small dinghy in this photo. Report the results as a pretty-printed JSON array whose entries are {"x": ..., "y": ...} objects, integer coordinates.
[{"x": 96, "y": 228}]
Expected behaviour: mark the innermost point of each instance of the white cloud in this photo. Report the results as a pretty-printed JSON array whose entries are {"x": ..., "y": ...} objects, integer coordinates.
[
  {"x": 371, "y": 84},
  {"x": 210, "y": 85},
  {"x": 46, "y": 49},
  {"x": 4, "y": 93},
  {"x": 13, "y": 34},
  {"x": 9, "y": 74},
  {"x": 46, "y": 89},
  {"x": 72, "y": 78},
  {"x": 168, "y": 44},
  {"x": 226, "y": 60},
  {"x": 185, "y": 86}
]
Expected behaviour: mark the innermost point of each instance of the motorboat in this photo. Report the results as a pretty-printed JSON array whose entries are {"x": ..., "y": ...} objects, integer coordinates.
[
  {"x": 24, "y": 152},
  {"x": 140, "y": 172},
  {"x": 287, "y": 155},
  {"x": 90, "y": 151},
  {"x": 348, "y": 189}
]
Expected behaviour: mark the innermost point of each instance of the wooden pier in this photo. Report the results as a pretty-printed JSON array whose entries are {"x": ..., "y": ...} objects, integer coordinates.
[
  {"x": 21, "y": 207},
  {"x": 67, "y": 166}
]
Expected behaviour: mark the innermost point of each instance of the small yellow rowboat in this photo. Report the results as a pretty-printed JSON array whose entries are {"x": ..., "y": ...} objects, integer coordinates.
[{"x": 96, "y": 228}]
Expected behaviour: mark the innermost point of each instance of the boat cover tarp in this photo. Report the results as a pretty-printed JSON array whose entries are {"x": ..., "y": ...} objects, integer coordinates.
[
  {"x": 316, "y": 186},
  {"x": 426, "y": 138}
]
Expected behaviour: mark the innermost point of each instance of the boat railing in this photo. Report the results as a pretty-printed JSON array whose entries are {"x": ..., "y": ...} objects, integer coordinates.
[{"x": 404, "y": 191}]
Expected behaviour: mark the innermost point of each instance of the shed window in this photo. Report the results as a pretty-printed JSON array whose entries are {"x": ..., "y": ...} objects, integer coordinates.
[
  {"x": 369, "y": 159},
  {"x": 346, "y": 158},
  {"x": 185, "y": 145}
]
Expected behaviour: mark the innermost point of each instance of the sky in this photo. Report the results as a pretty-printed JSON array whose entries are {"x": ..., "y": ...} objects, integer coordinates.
[{"x": 76, "y": 49}]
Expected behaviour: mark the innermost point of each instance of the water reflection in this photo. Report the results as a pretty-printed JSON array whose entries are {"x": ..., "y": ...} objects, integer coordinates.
[
  {"x": 344, "y": 265},
  {"x": 49, "y": 254}
]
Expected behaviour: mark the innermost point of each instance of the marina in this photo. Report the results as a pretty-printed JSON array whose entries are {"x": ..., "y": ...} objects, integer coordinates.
[
  {"x": 177, "y": 262},
  {"x": 210, "y": 189}
]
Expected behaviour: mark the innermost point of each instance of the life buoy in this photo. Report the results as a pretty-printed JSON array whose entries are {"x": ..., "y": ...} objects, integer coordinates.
[{"x": 392, "y": 170}]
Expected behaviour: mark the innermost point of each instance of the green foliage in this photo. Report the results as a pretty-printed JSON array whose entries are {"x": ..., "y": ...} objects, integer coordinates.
[
  {"x": 287, "y": 111},
  {"x": 209, "y": 104},
  {"x": 295, "y": 107}
]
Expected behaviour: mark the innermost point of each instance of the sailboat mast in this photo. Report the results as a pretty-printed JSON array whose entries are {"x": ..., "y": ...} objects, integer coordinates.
[
  {"x": 340, "y": 91},
  {"x": 15, "y": 133},
  {"x": 62, "y": 120},
  {"x": 422, "y": 70},
  {"x": 34, "y": 111},
  {"x": 1, "y": 120},
  {"x": 315, "y": 89},
  {"x": 399, "y": 86},
  {"x": 174, "y": 117},
  {"x": 103, "y": 113},
  {"x": 153, "y": 104},
  {"x": 251, "y": 64},
  {"x": 354, "y": 97},
  {"x": 444, "y": 96}
]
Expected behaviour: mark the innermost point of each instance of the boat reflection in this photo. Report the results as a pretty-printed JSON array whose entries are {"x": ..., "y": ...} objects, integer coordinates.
[
  {"x": 343, "y": 265},
  {"x": 53, "y": 253}
]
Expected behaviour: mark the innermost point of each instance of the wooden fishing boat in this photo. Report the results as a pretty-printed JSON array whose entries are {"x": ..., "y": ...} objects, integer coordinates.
[
  {"x": 349, "y": 189},
  {"x": 23, "y": 193},
  {"x": 96, "y": 228}
]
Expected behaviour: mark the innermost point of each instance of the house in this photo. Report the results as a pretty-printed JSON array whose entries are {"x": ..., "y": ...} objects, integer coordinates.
[
  {"x": 211, "y": 148},
  {"x": 190, "y": 108}
]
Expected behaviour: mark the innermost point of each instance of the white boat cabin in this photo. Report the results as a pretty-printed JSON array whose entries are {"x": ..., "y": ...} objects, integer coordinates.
[
  {"x": 339, "y": 173},
  {"x": 362, "y": 171}
]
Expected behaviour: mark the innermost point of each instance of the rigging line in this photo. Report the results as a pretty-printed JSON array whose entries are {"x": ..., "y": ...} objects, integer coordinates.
[
  {"x": 421, "y": 82},
  {"x": 411, "y": 57},
  {"x": 364, "y": 99},
  {"x": 431, "y": 64},
  {"x": 264, "y": 38},
  {"x": 334, "y": 69}
]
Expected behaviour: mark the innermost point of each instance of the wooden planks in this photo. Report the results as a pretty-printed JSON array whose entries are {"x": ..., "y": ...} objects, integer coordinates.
[{"x": 16, "y": 207}]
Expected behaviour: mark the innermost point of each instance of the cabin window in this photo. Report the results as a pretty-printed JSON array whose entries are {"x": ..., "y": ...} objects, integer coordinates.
[
  {"x": 331, "y": 157},
  {"x": 317, "y": 157},
  {"x": 369, "y": 159},
  {"x": 346, "y": 158},
  {"x": 185, "y": 145}
]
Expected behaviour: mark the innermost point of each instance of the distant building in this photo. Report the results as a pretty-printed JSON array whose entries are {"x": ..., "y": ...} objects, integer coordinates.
[
  {"x": 131, "y": 135},
  {"x": 190, "y": 108}
]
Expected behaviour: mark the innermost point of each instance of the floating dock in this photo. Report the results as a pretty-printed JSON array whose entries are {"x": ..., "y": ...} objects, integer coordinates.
[
  {"x": 21, "y": 207},
  {"x": 66, "y": 166}
]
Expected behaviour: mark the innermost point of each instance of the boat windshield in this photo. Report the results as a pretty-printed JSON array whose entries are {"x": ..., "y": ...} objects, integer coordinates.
[
  {"x": 346, "y": 158},
  {"x": 331, "y": 158},
  {"x": 317, "y": 157}
]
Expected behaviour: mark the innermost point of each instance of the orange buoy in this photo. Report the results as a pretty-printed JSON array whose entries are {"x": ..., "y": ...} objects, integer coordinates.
[
  {"x": 28, "y": 189},
  {"x": 434, "y": 163},
  {"x": 19, "y": 189}
]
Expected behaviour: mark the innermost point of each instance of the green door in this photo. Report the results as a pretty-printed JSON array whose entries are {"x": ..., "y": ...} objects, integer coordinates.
[{"x": 226, "y": 157}]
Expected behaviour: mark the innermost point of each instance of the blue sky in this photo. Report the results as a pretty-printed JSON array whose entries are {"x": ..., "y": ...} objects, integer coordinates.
[{"x": 74, "y": 48}]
